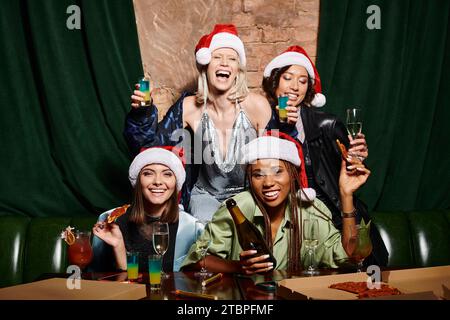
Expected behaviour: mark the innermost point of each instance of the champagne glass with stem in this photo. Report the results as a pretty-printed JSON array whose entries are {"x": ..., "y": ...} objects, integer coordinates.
[
  {"x": 311, "y": 241},
  {"x": 161, "y": 240},
  {"x": 203, "y": 244},
  {"x": 354, "y": 123}
]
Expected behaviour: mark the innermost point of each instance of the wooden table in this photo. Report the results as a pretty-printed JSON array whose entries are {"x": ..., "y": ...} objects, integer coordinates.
[{"x": 230, "y": 287}]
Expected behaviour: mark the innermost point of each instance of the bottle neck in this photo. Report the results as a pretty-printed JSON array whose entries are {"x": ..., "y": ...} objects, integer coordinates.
[{"x": 237, "y": 215}]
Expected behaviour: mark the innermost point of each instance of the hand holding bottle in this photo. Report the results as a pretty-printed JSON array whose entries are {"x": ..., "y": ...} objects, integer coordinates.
[{"x": 251, "y": 264}]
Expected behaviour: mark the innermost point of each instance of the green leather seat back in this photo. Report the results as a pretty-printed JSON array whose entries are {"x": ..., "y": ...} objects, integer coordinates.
[
  {"x": 46, "y": 251},
  {"x": 395, "y": 231},
  {"x": 431, "y": 238},
  {"x": 84, "y": 223},
  {"x": 13, "y": 231},
  {"x": 447, "y": 214}
]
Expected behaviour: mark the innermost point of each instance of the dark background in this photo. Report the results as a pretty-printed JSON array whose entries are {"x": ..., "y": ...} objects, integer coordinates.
[{"x": 64, "y": 95}]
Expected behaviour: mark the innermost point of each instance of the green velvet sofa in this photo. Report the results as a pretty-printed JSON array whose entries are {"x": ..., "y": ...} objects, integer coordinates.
[{"x": 30, "y": 247}]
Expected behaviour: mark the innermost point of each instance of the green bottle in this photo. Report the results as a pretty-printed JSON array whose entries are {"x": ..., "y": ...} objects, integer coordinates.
[{"x": 249, "y": 236}]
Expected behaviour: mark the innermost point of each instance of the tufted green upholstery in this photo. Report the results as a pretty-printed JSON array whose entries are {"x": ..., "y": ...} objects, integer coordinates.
[
  {"x": 415, "y": 239},
  {"x": 396, "y": 233},
  {"x": 30, "y": 247}
]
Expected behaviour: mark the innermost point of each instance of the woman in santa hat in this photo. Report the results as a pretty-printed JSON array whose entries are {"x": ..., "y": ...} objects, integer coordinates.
[
  {"x": 157, "y": 175},
  {"x": 212, "y": 126},
  {"x": 276, "y": 174},
  {"x": 293, "y": 74}
]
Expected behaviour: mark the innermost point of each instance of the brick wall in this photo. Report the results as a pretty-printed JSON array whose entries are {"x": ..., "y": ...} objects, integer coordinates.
[{"x": 169, "y": 30}]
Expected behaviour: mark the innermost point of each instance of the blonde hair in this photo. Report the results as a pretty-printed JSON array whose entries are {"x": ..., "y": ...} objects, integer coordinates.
[{"x": 238, "y": 93}]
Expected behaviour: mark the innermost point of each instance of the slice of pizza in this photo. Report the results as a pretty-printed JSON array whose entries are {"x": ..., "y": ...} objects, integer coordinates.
[
  {"x": 113, "y": 216},
  {"x": 343, "y": 149},
  {"x": 385, "y": 290},
  {"x": 350, "y": 286}
]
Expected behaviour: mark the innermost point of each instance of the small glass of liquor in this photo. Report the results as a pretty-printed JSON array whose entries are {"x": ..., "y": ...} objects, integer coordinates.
[
  {"x": 144, "y": 86},
  {"x": 282, "y": 104}
]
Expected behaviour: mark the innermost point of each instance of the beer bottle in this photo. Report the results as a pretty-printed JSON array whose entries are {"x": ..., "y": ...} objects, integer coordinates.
[{"x": 249, "y": 236}]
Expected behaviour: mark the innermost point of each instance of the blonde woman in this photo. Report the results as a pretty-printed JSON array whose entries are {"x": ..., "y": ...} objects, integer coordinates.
[{"x": 221, "y": 118}]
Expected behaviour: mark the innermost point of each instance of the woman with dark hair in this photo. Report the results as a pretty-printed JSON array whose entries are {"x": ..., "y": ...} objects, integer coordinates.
[
  {"x": 275, "y": 174},
  {"x": 157, "y": 174},
  {"x": 293, "y": 74}
]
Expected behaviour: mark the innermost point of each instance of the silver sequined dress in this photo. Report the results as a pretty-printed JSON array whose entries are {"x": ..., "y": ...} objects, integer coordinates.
[{"x": 220, "y": 177}]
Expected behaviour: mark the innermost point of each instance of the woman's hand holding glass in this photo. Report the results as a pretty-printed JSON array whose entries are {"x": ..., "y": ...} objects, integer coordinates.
[
  {"x": 358, "y": 144},
  {"x": 251, "y": 264},
  {"x": 292, "y": 113},
  {"x": 138, "y": 97}
]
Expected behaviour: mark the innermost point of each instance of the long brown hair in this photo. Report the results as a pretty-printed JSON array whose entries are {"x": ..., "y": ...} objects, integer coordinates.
[
  {"x": 270, "y": 86},
  {"x": 295, "y": 231},
  {"x": 137, "y": 214}
]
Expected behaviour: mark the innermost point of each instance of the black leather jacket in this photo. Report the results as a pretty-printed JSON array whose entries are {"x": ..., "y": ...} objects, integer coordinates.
[{"x": 321, "y": 152}]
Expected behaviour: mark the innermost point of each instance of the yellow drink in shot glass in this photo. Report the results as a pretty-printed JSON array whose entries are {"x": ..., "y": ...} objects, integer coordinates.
[
  {"x": 154, "y": 271},
  {"x": 144, "y": 87},
  {"x": 282, "y": 104},
  {"x": 132, "y": 266}
]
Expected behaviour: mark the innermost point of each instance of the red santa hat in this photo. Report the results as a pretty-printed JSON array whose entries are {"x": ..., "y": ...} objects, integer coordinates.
[
  {"x": 171, "y": 157},
  {"x": 298, "y": 56},
  {"x": 278, "y": 145},
  {"x": 223, "y": 36}
]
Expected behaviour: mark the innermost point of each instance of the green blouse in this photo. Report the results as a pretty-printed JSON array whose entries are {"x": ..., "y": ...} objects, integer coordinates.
[{"x": 225, "y": 243}]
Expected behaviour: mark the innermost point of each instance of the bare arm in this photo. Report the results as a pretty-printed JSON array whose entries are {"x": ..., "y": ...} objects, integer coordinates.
[
  {"x": 258, "y": 109},
  {"x": 349, "y": 182}
]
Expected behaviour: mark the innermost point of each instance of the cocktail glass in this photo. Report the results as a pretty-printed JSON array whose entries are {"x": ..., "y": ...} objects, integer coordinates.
[{"x": 80, "y": 252}]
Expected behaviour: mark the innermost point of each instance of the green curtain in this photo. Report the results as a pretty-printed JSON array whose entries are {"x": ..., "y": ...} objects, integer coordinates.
[
  {"x": 63, "y": 99},
  {"x": 400, "y": 76}
]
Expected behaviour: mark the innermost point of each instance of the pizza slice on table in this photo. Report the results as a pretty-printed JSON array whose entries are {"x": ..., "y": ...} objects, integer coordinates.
[{"x": 361, "y": 289}]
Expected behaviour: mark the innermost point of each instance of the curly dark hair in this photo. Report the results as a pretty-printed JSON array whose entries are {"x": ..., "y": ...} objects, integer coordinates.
[{"x": 271, "y": 83}]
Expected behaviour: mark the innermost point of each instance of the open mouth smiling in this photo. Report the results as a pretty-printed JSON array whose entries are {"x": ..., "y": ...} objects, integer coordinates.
[{"x": 223, "y": 74}]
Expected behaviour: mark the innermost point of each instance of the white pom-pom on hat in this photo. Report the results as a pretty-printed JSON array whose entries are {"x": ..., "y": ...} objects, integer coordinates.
[
  {"x": 203, "y": 56},
  {"x": 222, "y": 36}
]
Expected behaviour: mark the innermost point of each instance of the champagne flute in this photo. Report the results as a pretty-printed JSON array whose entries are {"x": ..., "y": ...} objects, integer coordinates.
[
  {"x": 354, "y": 122},
  {"x": 161, "y": 240},
  {"x": 311, "y": 241},
  {"x": 203, "y": 244}
]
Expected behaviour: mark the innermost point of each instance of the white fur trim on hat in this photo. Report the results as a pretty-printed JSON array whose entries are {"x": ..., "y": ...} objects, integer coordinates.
[
  {"x": 222, "y": 40},
  {"x": 287, "y": 59},
  {"x": 319, "y": 100},
  {"x": 157, "y": 156},
  {"x": 268, "y": 147}
]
